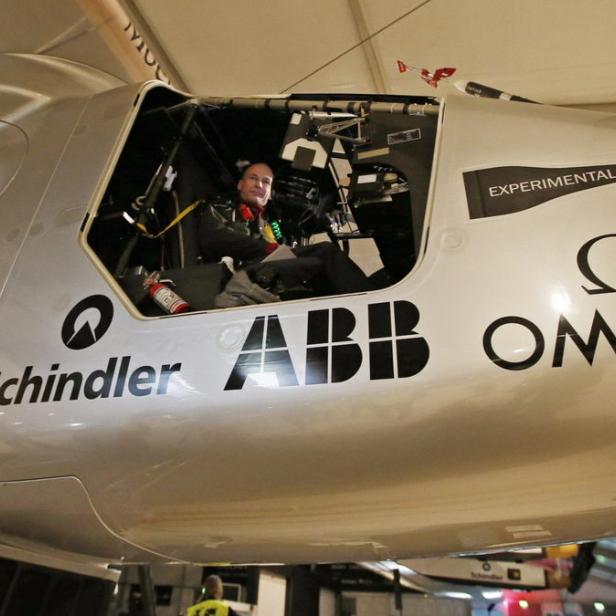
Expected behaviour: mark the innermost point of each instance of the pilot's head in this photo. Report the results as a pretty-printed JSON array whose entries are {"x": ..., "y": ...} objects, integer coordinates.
[
  {"x": 213, "y": 587},
  {"x": 255, "y": 187}
]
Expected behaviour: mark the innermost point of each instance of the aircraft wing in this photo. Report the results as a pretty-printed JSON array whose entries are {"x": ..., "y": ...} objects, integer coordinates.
[{"x": 97, "y": 33}]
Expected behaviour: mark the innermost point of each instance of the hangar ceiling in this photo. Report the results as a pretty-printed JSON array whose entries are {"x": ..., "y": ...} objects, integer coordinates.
[{"x": 554, "y": 51}]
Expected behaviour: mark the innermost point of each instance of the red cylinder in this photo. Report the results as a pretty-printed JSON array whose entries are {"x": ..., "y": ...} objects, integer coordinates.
[{"x": 167, "y": 299}]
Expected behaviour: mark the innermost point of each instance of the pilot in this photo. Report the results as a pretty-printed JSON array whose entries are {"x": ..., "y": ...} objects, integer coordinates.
[
  {"x": 238, "y": 228},
  {"x": 211, "y": 604}
]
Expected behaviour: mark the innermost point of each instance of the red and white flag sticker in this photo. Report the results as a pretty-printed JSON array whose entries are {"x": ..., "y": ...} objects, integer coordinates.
[{"x": 430, "y": 78}]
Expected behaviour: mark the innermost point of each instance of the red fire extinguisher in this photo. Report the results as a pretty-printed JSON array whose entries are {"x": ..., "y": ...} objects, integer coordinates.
[{"x": 165, "y": 297}]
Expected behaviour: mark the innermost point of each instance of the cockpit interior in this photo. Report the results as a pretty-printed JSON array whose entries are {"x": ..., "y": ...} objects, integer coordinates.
[{"x": 352, "y": 170}]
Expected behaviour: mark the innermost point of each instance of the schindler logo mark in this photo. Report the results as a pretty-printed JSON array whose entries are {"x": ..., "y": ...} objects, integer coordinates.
[
  {"x": 504, "y": 190},
  {"x": 87, "y": 322},
  {"x": 84, "y": 325}
]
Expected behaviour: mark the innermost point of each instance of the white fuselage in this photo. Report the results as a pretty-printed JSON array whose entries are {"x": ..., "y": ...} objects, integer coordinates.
[{"x": 490, "y": 428}]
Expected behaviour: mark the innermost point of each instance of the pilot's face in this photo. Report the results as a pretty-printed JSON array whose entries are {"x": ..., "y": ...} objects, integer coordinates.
[{"x": 255, "y": 187}]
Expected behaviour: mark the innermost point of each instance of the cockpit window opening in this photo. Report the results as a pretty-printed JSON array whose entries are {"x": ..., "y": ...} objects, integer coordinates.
[{"x": 352, "y": 173}]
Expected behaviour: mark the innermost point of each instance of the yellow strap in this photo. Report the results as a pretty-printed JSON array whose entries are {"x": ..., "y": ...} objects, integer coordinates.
[
  {"x": 268, "y": 234},
  {"x": 174, "y": 222}
]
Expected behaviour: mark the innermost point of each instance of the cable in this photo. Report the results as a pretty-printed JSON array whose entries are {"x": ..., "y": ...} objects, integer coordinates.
[{"x": 344, "y": 53}]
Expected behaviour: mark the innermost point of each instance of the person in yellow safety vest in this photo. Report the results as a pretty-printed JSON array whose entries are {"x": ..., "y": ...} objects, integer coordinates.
[{"x": 212, "y": 604}]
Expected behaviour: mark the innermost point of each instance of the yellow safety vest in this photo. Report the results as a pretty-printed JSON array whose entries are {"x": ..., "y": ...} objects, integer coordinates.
[{"x": 210, "y": 607}]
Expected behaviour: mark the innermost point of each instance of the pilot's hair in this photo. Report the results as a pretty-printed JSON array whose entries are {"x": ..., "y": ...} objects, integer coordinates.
[
  {"x": 243, "y": 168},
  {"x": 242, "y": 165}
]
